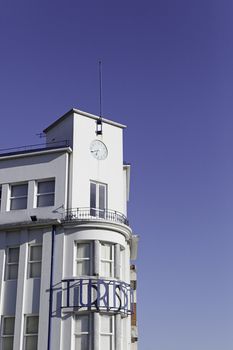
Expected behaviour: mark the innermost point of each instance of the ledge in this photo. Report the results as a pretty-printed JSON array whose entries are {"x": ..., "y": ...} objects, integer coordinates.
[{"x": 25, "y": 224}]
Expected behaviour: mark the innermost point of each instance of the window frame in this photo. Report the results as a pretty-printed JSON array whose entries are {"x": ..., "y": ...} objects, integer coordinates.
[
  {"x": 90, "y": 328},
  {"x": 110, "y": 261},
  {"x": 2, "y": 335},
  {"x": 11, "y": 263},
  {"x": 18, "y": 197},
  {"x": 38, "y": 195},
  {"x": 97, "y": 211},
  {"x": 27, "y": 335},
  {"x": 90, "y": 258},
  {"x": 112, "y": 334},
  {"x": 30, "y": 262}
]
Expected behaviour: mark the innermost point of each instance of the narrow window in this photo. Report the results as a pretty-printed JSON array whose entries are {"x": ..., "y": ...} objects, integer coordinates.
[
  {"x": 45, "y": 193},
  {"x": 19, "y": 196},
  {"x": 107, "y": 332},
  {"x": 12, "y": 263},
  {"x": 98, "y": 199},
  {"x": 31, "y": 332},
  {"x": 107, "y": 260},
  {"x": 83, "y": 259},
  {"x": 7, "y": 334},
  {"x": 34, "y": 262},
  {"x": 82, "y": 332}
]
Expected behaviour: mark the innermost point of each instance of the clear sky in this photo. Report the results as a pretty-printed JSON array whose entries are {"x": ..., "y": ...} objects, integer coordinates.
[{"x": 168, "y": 75}]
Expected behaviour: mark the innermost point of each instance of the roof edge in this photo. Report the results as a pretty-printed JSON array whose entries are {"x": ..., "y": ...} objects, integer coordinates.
[
  {"x": 34, "y": 152},
  {"x": 85, "y": 114}
]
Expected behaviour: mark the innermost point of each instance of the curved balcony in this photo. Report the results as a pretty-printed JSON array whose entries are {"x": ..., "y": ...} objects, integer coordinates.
[
  {"x": 95, "y": 214},
  {"x": 97, "y": 295}
]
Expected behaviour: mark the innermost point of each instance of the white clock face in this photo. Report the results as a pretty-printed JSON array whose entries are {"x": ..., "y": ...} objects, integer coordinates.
[{"x": 98, "y": 150}]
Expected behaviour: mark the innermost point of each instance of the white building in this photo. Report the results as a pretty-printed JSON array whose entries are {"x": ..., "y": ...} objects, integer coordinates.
[{"x": 66, "y": 282}]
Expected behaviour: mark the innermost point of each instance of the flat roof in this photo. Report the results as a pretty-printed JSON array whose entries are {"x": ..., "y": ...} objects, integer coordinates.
[
  {"x": 37, "y": 151},
  {"x": 85, "y": 114}
]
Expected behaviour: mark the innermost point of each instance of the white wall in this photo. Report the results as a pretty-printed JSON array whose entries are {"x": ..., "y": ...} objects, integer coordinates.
[
  {"x": 29, "y": 169},
  {"x": 86, "y": 167}
]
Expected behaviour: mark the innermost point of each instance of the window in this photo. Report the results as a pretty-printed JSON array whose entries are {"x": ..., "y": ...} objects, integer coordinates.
[
  {"x": 107, "y": 332},
  {"x": 7, "y": 334},
  {"x": 82, "y": 332},
  {"x": 12, "y": 263},
  {"x": 107, "y": 260},
  {"x": 19, "y": 196},
  {"x": 35, "y": 257},
  {"x": 31, "y": 332},
  {"x": 83, "y": 259},
  {"x": 45, "y": 193},
  {"x": 100, "y": 259},
  {"x": 98, "y": 199}
]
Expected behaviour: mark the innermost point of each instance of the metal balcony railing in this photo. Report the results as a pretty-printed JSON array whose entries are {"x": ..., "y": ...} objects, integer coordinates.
[
  {"x": 35, "y": 147},
  {"x": 95, "y": 214},
  {"x": 97, "y": 295}
]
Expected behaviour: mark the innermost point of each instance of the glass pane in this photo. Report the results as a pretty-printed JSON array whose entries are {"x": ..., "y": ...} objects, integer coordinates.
[
  {"x": 19, "y": 203},
  {"x": 83, "y": 250},
  {"x": 46, "y": 187},
  {"x": 82, "y": 342},
  {"x": 8, "y": 325},
  {"x": 35, "y": 253},
  {"x": 12, "y": 273},
  {"x": 7, "y": 343},
  {"x": 13, "y": 255},
  {"x": 106, "y": 251},
  {"x": 45, "y": 200},
  {"x": 19, "y": 190},
  {"x": 32, "y": 324},
  {"x": 93, "y": 196},
  {"x": 106, "y": 269},
  {"x": 106, "y": 342},
  {"x": 83, "y": 268},
  {"x": 82, "y": 324},
  {"x": 102, "y": 197},
  {"x": 106, "y": 324},
  {"x": 35, "y": 270},
  {"x": 31, "y": 343}
]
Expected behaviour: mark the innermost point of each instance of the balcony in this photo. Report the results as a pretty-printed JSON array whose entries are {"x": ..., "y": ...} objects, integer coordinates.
[
  {"x": 95, "y": 214},
  {"x": 94, "y": 294}
]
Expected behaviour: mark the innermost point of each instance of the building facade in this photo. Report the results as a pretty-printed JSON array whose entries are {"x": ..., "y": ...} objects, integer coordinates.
[{"x": 66, "y": 278}]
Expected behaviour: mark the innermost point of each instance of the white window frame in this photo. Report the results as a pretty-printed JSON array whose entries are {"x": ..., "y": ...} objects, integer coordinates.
[
  {"x": 46, "y": 193},
  {"x": 110, "y": 261},
  {"x": 8, "y": 264},
  {"x": 30, "y": 262},
  {"x": 90, "y": 329},
  {"x": 90, "y": 258},
  {"x": 111, "y": 334},
  {"x": 122, "y": 263},
  {"x": 18, "y": 197},
  {"x": 97, "y": 211},
  {"x": 27, "y": 335},
  {"x": 3, "y": 336}
]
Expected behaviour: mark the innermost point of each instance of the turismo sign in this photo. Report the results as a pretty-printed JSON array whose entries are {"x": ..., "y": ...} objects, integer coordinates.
[{"x": 97, "y": 295}]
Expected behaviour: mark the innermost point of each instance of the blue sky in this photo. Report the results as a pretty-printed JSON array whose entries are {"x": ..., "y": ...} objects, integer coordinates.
[{"x": 168, "y": 75}]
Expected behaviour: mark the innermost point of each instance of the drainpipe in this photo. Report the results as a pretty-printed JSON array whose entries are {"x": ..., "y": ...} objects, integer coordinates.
[{"x": 51, "y": 287}]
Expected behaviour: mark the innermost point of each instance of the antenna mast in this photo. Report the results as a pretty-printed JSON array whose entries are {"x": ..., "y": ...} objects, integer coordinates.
[{"x": 99, "y": 130}]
